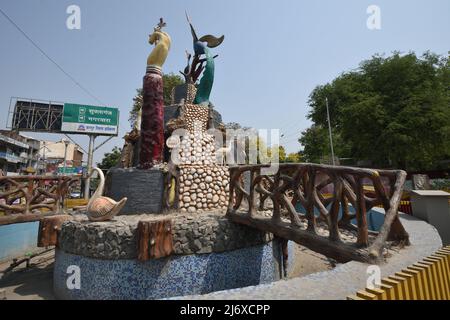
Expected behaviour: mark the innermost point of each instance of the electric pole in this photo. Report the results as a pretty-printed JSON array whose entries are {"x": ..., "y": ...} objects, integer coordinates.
[{"x": 329, "y": 130}]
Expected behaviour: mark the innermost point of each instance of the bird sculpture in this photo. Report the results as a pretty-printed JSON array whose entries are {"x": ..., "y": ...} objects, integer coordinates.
[{"x": 100, "y": 208}]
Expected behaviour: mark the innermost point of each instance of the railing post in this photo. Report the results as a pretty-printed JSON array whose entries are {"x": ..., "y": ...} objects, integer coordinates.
[
  {"x": 251, "y": 200},
  {"x": 310, "y": 177},
  {"x": 334, "y": 211},
  {"x": 276, "y": 202},
  {"x": 233, "y": 177},
  {"x": 361, "y": 218},
  {"x": 29, "y": 195}
]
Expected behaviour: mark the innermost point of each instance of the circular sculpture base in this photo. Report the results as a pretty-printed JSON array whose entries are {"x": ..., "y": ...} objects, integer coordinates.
[
  {"x": 167, "y": 277},
  {"x": 210, "y": 254}
]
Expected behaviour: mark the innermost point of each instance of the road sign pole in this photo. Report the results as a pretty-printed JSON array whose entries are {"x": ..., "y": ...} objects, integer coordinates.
[{"x": 87, "y": 184}]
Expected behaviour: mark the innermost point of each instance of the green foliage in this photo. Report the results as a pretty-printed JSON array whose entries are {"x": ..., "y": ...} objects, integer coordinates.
[
  {"x": 170, "y": 81},
  {"x": 263, "y": 154},
  {"x": 110, "y": 159},
  {"x": 137, "y": 105},
  {"x": 294, "y": 157},
  {"x": 281, "y": 153},
  {"x": 440, "y": 184},
  {"x": 271, "y": 152},
  {"x": 314, "y": 140},
  {"x": 394, "y": 112}
]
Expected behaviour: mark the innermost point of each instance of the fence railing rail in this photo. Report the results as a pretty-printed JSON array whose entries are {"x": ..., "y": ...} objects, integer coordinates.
[
  {"x": 298, "y": 184},
  {"x": 24, "y": 198}
]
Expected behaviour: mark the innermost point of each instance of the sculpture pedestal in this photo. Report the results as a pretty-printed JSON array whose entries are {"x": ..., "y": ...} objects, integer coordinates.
[
  {"x": 143, "y": 188},
  {"x": 210, "y": 253}
]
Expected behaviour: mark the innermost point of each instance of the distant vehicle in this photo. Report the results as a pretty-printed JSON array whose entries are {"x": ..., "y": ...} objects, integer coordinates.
[{"x": 75, "y": 195}]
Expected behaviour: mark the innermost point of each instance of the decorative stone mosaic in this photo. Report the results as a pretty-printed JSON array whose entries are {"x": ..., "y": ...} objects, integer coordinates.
[
  {"x": 204, "y": 184},
  {"x": 203, "y": 188},
  {"x": 168, "y": 277},
  {"x": 196, "y": 117},
  {"x": 192, "y": 233}
]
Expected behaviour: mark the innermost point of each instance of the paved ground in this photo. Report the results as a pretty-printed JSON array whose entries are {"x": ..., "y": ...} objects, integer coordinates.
[
  {"x": 343, "y": 280},
  {"x": 33, "y": 283},
  {"x": 308, "y": 262},
  {"x": 36, "y": 282}
]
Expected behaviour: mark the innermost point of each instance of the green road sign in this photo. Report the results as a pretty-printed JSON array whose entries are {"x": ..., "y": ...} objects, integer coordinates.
[
  {"x": 85, "y": 119},
  {"x": 70, "y": 170}
]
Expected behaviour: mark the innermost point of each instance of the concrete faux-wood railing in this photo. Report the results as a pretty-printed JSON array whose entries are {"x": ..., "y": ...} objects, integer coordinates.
[
  {"x": 23, "y": 198},
  {"x": 299, "y": 183}
]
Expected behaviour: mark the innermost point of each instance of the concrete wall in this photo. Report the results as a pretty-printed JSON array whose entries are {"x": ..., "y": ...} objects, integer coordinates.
[
  {"x": 17, "y": 239},
  {"x": 433, "y": 207}
]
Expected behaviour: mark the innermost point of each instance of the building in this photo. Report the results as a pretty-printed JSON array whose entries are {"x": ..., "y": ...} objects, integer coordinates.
[
  {"x": 17, "y": 153},
  {"x": 20, "y": 154},
  {"x": 52, "y": 154}
]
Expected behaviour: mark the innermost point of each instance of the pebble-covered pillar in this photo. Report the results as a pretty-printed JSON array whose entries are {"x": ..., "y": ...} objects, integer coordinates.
[{"x": 152, "y": 125}]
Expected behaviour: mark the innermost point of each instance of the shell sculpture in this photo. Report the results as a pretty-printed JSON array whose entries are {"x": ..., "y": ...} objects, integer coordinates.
[{"x": 100, "y": 208}]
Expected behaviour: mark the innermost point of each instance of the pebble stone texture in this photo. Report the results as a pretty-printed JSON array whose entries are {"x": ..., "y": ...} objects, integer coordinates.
[
  {"x": 192, "y": 234},
  {"x": 204, "y": 184},
  {"x": 143, "y": 188},
  {"x": 196, "y": 117},
  {"x": 345, "y": 279},
  {"x": 166, "y": 277},
  {"x": 184, "y": 93},
  {"x": 174, "y": 111}
]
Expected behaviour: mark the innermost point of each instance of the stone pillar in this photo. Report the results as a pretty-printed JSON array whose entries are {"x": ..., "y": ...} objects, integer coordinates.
[{"x": 152, "y": 125}]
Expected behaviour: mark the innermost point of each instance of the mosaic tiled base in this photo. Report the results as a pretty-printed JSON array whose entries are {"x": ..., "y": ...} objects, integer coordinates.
[{"x": 167, "y": 277}]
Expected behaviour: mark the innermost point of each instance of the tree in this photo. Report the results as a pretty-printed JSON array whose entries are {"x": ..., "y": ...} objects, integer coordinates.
[
  {"x": 110, "y": 159},
  {"x": 137, "y": 105},
  {"x": 281, "y": 153},
  {"x": 314, "y": 140},
  {"x": 170, "y": 81},
  {"x": 392, "y": 111},
  {"x": 294, "y": 157}
]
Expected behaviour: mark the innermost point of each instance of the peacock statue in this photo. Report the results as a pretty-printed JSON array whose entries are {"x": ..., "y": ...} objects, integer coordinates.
[{"x": 100, "y": 208}]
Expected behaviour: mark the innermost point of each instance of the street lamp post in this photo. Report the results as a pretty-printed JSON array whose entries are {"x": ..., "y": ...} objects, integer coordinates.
[
  {"x": 329, "y": 130},
  {"x": 45, "y": 164},
  {"x": 66, "y": 144},
  {"x": 90, "y": 161}
]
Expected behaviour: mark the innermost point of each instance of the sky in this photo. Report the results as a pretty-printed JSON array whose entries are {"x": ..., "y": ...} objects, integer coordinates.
[{"x": 274, "y": 54}]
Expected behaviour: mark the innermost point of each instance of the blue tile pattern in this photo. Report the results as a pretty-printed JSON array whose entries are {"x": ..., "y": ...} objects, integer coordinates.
[{"x": 167, "y": 277}]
